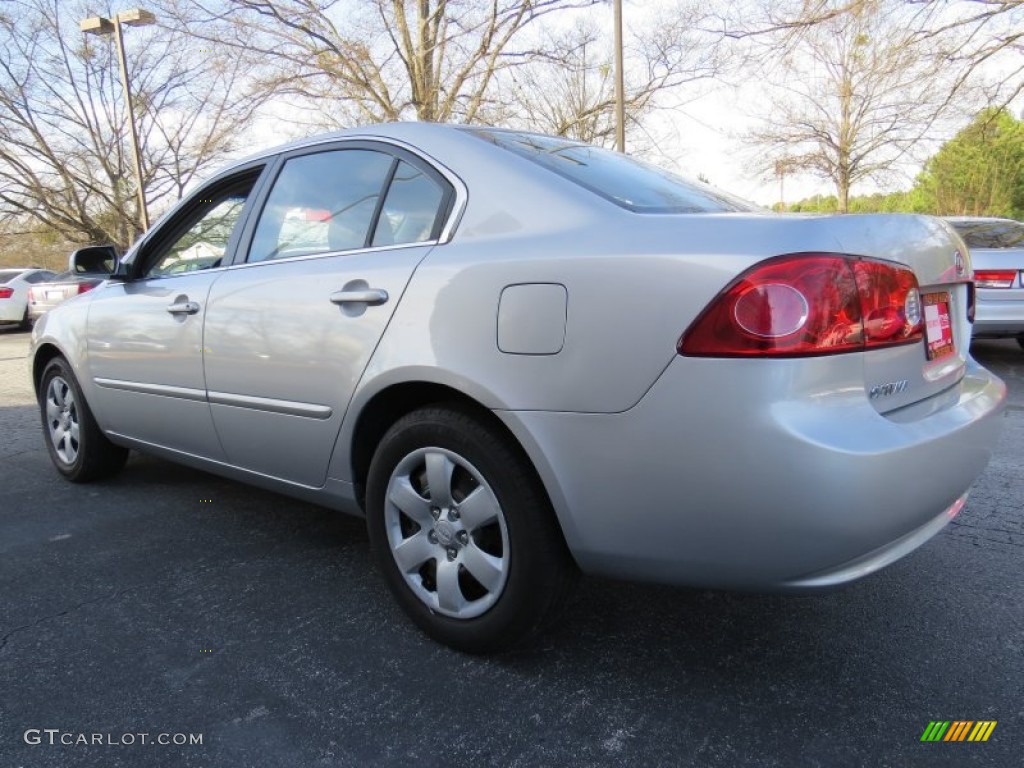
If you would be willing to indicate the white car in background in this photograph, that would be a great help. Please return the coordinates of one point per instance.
(997, 255)
(14, 285)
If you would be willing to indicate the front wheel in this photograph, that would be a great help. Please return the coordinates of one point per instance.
(78, 448)
(463, 531)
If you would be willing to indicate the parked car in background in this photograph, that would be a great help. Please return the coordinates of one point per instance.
(45, 296)
(517, 355)
(997, 254)
(14, 290)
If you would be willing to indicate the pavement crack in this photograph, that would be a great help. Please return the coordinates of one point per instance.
(65, 612)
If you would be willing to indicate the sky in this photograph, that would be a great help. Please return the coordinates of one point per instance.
(698, 135)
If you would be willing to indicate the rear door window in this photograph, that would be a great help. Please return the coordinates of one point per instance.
(321, 203)
(412, 208)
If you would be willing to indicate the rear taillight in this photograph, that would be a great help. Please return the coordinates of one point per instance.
(994, 278)
(809, 304)
(5, 292)
(83, 287)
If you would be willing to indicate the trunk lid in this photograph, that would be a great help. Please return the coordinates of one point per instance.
(1001, 259)
(895, 377)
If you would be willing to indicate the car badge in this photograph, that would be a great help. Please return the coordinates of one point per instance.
(958, 260)
(891, 388)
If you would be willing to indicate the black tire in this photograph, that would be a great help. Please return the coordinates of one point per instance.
(26, 321)
(62, 406)
(1020, 340)
(538, 570)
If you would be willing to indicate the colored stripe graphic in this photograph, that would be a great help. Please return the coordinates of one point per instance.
(982, 730)
(958, 730)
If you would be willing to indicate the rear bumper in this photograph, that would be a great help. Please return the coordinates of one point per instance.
(760, 474)
(998, 317)
(35, 311)
(11, 311)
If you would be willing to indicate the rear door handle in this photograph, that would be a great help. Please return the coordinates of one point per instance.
(183, 308)
(371, 296)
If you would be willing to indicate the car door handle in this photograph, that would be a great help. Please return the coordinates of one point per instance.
(371, 296)
(183, 308)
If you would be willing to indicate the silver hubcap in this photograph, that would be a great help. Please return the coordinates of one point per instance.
(447, 532)
(62, 419)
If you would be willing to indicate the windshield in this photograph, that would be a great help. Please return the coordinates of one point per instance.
(627, 182)
(990, 234)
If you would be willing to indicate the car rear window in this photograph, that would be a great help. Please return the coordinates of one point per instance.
(626, 181)
(39, 277)
(991, 234)
(6, 275)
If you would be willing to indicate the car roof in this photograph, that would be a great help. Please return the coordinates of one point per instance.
(400, 131)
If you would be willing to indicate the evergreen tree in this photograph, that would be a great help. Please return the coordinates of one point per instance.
(980, 171)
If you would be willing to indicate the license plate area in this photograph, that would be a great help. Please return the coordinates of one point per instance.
(938, 329)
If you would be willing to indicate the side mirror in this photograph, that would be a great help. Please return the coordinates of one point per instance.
(94, 260)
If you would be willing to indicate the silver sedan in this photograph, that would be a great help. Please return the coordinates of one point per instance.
(521, 357)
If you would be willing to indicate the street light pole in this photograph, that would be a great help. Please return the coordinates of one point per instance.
(136, 155)
(620, 105)
(98, 25)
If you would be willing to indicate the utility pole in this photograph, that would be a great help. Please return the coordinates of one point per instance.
(620, 90)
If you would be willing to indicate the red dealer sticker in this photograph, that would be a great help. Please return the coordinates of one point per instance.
(937, 329)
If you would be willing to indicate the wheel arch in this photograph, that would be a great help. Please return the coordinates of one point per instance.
(393, 402)
(42, 357)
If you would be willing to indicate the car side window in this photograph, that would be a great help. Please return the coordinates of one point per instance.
(320, 203)
(203, 236)
(411, 208)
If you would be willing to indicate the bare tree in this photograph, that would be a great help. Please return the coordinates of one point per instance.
(981, 35)
(857, 92)
(379, 60)
(64, 156)
(570, 92)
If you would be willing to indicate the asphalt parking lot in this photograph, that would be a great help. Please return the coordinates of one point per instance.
(172, 602)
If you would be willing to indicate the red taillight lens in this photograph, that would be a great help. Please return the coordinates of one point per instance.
(83, 287)
(5, 292)
(994, 278)
(890, 302)
(809, 304)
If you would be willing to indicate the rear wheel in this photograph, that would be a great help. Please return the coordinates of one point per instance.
(463, 531)
(26, 321)
(78, 449)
